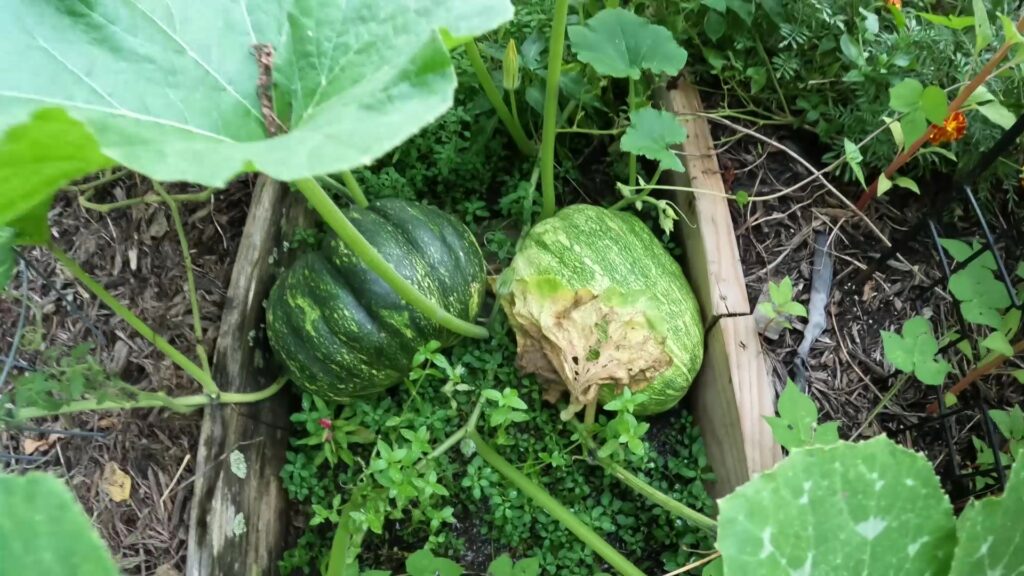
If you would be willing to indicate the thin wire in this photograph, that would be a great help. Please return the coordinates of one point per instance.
(22, 316)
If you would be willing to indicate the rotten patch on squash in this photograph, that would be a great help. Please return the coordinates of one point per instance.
(576, 341)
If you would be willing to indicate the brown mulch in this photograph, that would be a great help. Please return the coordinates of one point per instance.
(848, 374)
(135, 253)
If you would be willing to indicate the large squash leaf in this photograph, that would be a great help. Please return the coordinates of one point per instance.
(44, 531)
(838, 510)
(168, 88)
(991, 541)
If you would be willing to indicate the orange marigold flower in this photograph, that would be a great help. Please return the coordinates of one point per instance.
(951, 130)
(895, 3)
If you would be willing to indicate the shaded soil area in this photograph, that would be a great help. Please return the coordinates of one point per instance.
(135, 253)
(847, 373)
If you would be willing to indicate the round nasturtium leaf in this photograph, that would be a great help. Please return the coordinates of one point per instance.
(989, 532)
(44, 531)
(840, 510)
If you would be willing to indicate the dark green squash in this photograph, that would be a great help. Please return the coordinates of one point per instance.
(341, 331)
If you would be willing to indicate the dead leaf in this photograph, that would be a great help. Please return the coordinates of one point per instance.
(106, 423)
(30, 446)
(157, 227)
(116, 483)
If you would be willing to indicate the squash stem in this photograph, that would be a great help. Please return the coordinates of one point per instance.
(365, 251)
(550, 130)
(553, 507)
(491, 91)
(354, 189)
(197, 323)
(154, 400)
(197, 373)
(632, 157)
(643, 488)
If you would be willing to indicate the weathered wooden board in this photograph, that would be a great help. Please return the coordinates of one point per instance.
(732, 393)
(223, 502)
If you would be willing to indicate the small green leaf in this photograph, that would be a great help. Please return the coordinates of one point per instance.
(904, 182)
(652, 133)
(618, 43)
(1019, 375)
(958, 249)
(500, 566)
(714, 25)
(794, 309)
(998, 342)
(884, 184)
(742, 198)
(983, 548)
(1010, 30)
(867, 508)
(45, 530)
(1010, 423)
(982, 27)
(897, 16)
(906, 95)
(915, 351)
(743, 8)
(934, 104)
(949, 400)
(914, 125)
(767, 309)
(758, 78)
(998, 114)
(954, 22)
(850, 50)
(527, 567)
(424, 563)
(854, 158)
(895, 129)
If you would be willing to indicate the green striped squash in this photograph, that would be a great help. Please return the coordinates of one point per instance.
(597, 303)
(341, 331)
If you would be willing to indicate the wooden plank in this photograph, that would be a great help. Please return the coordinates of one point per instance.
(715, 262)
(732, 392)
(259, 431)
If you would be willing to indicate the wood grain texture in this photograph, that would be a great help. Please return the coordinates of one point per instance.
(259, 431)
(732, 392)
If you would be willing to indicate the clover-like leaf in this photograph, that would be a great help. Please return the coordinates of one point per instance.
(43, 530)
(906, 95)
(424, 563)
(797, 426)
(168, 88)
(915, 351)
(651, 134)
(867, 508)
(988, 533)
(982, 297)
(618, 43)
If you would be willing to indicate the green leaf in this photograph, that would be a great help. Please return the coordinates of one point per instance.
(958, 249)
(621, 44)
(981, 295)
(500, 566)
(998, 114)
(37, 157)
(977, 313)
(906, 95)
(714, 25)
(651, 134)
(795, 425)
(895, 129)
(988, 537)
(1010, 423)
(1010, 30)
(175, 97)
(915, 351)
(7, 258)
(44, 530)
(850, 50)
(982, 27)
(758, 78)
(743, 8)
(998, 342)
(794, 309)
(1019, 375)
(867, 508)
(914, 126)
(854, 158)
(934, 104)
(527, 567)
(904, 182)
(954, 22)
(884, 184)
(949, 400)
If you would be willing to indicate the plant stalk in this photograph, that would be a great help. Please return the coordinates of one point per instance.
(550, 130)
(190, 368)
(632, 157)
(85, 202)
(491, 91)
(553, 506)
(335, 218)
(150, 400)
(197, 323)
(354, 189)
